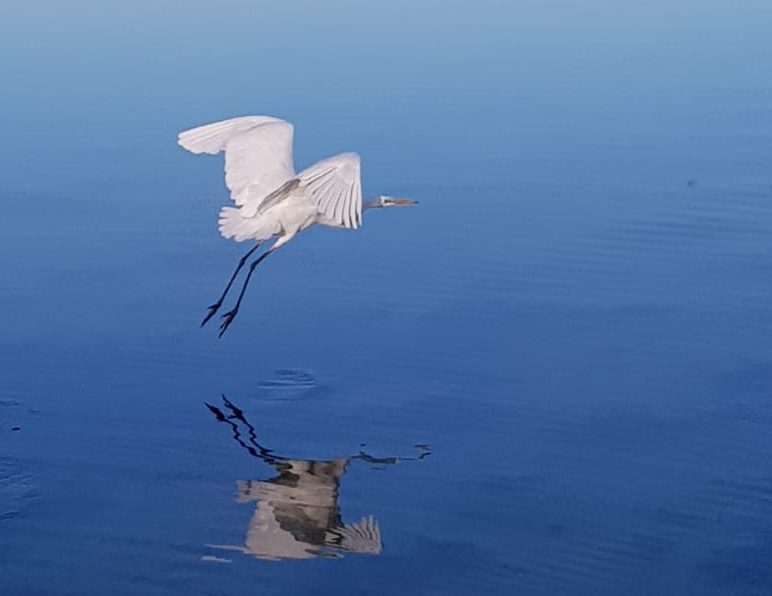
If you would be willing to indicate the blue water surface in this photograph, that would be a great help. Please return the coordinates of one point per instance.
(553, 376)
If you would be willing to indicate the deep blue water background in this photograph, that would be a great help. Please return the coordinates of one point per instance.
(576, 318)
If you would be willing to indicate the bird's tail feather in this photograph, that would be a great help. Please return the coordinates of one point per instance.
(233, 225)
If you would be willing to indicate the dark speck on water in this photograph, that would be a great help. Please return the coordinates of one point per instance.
(551, 377)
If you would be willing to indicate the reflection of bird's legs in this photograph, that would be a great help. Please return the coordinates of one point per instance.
(216, 306)
(238, 414)
(228, 317)
(254, 449)
(236, 433)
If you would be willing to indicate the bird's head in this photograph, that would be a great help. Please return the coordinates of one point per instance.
(386, 201)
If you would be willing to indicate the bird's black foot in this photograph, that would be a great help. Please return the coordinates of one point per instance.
(210, 313)
(227, 319)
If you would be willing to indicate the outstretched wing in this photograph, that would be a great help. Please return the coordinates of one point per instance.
(334, 185)
(258, 154)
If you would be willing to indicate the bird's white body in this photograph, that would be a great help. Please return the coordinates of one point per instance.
(271, 199)
(294, 214)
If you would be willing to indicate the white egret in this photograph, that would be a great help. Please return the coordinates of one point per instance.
(272, 201)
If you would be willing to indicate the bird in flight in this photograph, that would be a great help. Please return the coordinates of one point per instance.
(271, 200)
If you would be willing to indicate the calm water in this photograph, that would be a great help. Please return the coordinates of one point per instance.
(553, 376)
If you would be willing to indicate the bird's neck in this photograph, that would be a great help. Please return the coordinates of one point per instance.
(372, 204)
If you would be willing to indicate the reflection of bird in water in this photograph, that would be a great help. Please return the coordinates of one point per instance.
(297, 515)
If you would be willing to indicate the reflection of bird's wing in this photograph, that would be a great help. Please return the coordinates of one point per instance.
(334, 185)
(258, 154)
(363, 536)
(289, 521)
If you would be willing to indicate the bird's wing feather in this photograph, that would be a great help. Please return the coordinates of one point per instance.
(334, 185)
(212, 138)
(258, 154)
(363, 536)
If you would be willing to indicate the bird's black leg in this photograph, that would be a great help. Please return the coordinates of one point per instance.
(228, 317)
(216, 306)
